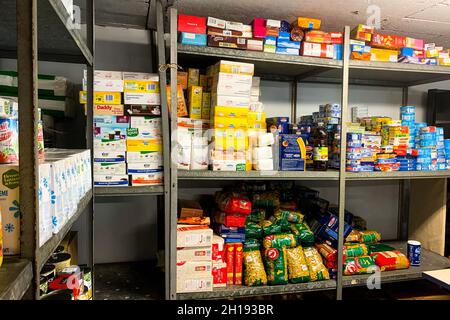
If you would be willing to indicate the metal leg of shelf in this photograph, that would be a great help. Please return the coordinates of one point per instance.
(173, 168)
(27, 56)
(90, 28)
(342, 173)
(404, 191)
(160, 14)
(294, 87)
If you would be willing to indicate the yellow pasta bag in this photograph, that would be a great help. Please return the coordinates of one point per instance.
(297, 267)
(254, 273)
(317, 270)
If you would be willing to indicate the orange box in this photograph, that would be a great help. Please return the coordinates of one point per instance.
(182, 109)
(308, 23)
(238, 257)
(229, 260)
(182, 78)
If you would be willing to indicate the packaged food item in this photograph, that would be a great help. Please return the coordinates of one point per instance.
(386, 41)
(195, 284)
(216, 23)
(194, 254)
(307, 23)
(317, 270)
(291, 216)
(181, 103)
(359, 265)
(255, 44)
(229, 260)
(194, 24)
(195, 221)
(319, 50)
(238, 259)
(383, 55)
(279, 240)
(256, 216)
(270, 228)
(182, 79)
(259, 27)
(297, 34)
(219, 274)
(227, 42)
(253, 230)
(298, 271)
(141, 86)
(355, 250)
(193, 236)
(217, 248)
(328, 252)
(108, 110)
(379, 247)
(317, 36)
(222, 32)
(254, 273)
(141, 98)
(276, 265)
(303, 234)
(369, 237)
(354, 236)
(233, 203)
(362, 32)
(391, 260)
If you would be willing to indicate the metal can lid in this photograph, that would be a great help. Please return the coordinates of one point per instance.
(414, 243)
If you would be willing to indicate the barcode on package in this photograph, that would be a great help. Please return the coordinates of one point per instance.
(151, 87)
(109, 97)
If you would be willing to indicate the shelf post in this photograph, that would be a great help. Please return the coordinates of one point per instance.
(343, 147)
(294, 88)
(404, 192)
(90, 30)
(173, 165)
(27, 56)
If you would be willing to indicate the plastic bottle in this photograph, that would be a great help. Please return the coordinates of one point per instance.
(320, 151)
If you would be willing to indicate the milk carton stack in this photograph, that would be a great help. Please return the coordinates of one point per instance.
(231, 91)
(144, 137)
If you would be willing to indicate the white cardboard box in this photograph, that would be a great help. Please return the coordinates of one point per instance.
(140, 76)
(232, 84)
(145, 157)
(110, 145)
(147, 179)
(193, 269)
(109, 156)
(45, 203)
(193, 236)
(229, 101)
(145, 122)
(143, 168)
(107, 180)
(104, 74)
(203, 284)
(142, 98)
(110, 168)
(105, 85)
(194, 254)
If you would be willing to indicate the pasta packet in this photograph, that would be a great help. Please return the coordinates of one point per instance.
(254, 273)
(291, 216)
(280, 240)
(303, 234)
(317, 270)
(298, 271)
(359, 265)
(276, 265)
(369, 236)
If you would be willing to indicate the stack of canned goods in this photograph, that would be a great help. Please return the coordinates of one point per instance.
(408, 117)
(440, 146)
(354, 149)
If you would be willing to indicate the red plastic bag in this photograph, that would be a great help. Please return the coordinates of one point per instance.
(231, 203)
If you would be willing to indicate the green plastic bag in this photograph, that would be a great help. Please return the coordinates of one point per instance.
(303, 234)
(276, 266)
(253, 231)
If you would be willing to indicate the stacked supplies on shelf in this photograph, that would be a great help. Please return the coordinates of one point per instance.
(195, 254)
(447, 152)
(127, 129)
(370, 45)
(9, 138)
(54, 92)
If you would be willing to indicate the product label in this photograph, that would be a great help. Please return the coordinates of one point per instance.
(320, 154)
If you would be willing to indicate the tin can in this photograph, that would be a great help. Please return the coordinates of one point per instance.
(414, 250)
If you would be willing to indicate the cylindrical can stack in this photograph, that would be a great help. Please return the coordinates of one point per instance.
(408, 117)
(354, 148)
(440, 147)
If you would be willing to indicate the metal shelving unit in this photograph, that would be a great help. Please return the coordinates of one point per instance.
(33, 30)
(128, 191)
(297, 70)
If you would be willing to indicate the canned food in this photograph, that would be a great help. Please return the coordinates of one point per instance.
(414, 251)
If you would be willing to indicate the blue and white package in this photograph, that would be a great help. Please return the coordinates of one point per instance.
(195, 39)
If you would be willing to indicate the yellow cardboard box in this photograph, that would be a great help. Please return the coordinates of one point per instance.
(384, 55)
(195, 102)
(9, 207)
(101, 97)
(141, 86)
(231, 123)
(149, 145)
(206, 105)
(193, 77)
(230, 112)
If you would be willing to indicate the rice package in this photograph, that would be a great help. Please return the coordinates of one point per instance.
(317, 271)
(276, 265)
(280, 240)
(254, 273)
(291, 216)
(253, 231)
(303, 234)
(369, 236)
(391, 260)
(359, 265)
(298, 271)
(233, 203)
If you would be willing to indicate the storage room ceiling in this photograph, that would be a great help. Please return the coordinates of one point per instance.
(428, 19)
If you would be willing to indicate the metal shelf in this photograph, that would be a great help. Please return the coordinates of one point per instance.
(129, 191)
(15, 278)
(58, 40)
(395, 74)
(44, 252)
(243, 291)
(258, 175)
(398, 175)
(430, 261)
(268, 65)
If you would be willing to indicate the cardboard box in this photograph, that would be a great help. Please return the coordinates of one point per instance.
(206, 105)
(142, 98)
(203, 284)
(147, 167)
(144, 145)
(142, 110)
(194, 254)
(193, 236)
(102, 97)
(195, 39)
(203, 81)
(103, 74)
(189, 208)
(229, 101)
(255, 44)
(229, 165)
(385, 41)
(182, 79)
(230, 123)
(232, 84)
(234, 67)
(288, 44)
(289, 51)
(181, 103)
(194, 24)
(141, 76)
(195, 102)
(141, 86)
(45, 204)
(229, 260)
(222, 32)
(143, 133)
(270, 40)
(109, 156)
(199, 153)
(218, 245)
(219, 273)
(149, 122)
(193, 77)
(230, 112)
(216, 23)
(292, 152)
(110, 168)
(108, 110)
(145, 157)
(110, 145)
(278, 124)
(270, 48)
(416, 44)
(307, 23)
(106, 85)
(106, 180)
(271, 31)
(263, 164)
(383, 55)
(259, 27)
(238, 258)
(147, 179)
(317, 50)
(9, 208)
(362, 32)
(227, 42)
(231, 25)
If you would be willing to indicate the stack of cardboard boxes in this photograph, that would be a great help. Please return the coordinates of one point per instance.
(127, 129)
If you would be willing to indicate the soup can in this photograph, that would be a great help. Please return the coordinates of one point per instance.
(414, 249)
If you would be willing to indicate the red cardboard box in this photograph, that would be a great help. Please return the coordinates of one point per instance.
(238, 257)
(230, 219)
(229, 260)
(259, 28)
(319, 50)
(217, 250)
(386, 41)
(192, 24)
(219, 273)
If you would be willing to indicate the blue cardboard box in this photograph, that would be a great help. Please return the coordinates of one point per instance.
(285, 43)
(283, 35)
(407, 52)
(326, 228)
(278, 124)
(289, 51)
(270, 40)
(195, 39)
(338, 52)
(292, 152)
